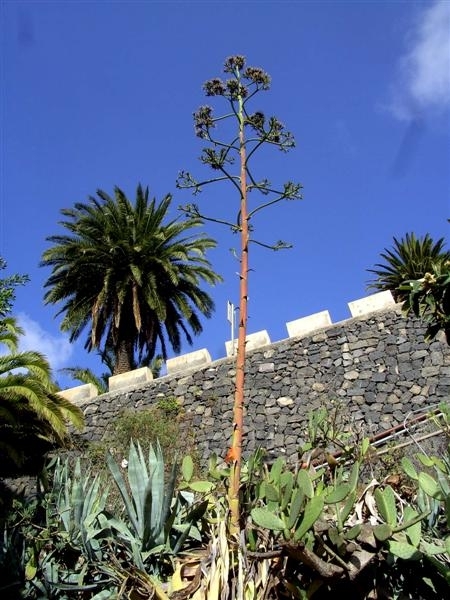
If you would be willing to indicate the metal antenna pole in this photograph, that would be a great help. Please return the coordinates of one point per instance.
(230, 318)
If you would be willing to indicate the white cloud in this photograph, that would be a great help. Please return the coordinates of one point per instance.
(57, 349)
(424, 83)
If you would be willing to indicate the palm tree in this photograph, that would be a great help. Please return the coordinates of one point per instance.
(128, 275)
(33, 416)
(409, 259)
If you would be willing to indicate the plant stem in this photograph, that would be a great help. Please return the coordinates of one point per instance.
(238, 409)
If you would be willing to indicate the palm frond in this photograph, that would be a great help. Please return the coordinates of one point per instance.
(408, 259)
(86, 376)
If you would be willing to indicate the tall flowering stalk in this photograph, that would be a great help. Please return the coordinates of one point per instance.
(232, 161)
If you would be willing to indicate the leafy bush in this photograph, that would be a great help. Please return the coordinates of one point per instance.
(165, 424)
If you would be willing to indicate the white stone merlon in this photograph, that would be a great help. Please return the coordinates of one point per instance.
(124, 380)
(252, 341)
(80, 394)
(369, 304)
(188, 361)
(308, 324)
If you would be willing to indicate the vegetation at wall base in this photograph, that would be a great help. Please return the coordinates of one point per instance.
(165, 423)
(308, 532)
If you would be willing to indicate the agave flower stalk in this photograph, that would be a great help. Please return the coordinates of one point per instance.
(252, 130)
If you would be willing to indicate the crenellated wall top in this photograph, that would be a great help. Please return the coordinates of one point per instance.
(200, 358)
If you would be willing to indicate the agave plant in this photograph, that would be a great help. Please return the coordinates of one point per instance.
(159, 519)
(58, 540)
(80, 502)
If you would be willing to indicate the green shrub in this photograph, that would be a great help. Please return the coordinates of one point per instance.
(169, 405)
(165, 423)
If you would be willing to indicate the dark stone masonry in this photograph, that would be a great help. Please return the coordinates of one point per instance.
(378, 367)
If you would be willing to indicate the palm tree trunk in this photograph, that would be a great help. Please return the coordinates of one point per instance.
(124, 357)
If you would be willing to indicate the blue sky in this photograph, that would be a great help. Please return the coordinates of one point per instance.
(98, 94)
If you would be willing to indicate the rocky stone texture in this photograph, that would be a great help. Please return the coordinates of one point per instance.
(378, 367)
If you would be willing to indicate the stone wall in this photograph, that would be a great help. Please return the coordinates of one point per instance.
(377, 366)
